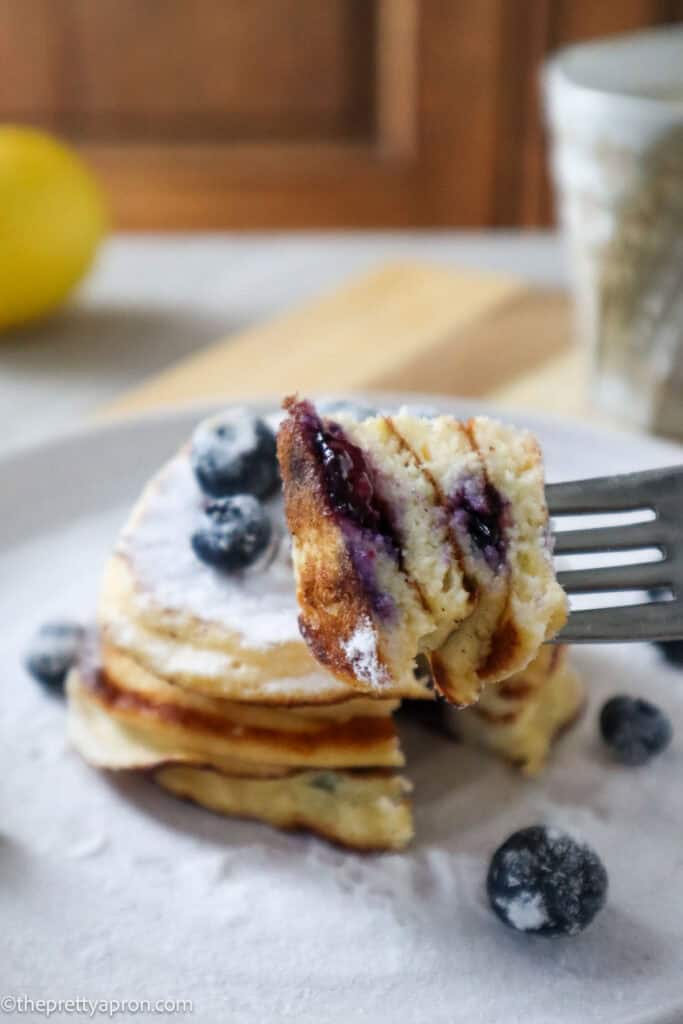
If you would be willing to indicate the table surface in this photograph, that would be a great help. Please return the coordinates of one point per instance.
(153, 299)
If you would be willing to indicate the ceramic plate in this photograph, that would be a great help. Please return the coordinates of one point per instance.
(113, 890)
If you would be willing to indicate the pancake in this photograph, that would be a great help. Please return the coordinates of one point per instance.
(205, 670)
(364, 809)
(519, 718)
(346, 735)
(418, 535)
(106, 741)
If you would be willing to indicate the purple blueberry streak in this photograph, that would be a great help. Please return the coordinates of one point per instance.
(479, 511)
(351, 490)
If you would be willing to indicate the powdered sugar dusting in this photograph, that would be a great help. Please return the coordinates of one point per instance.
(361, 652)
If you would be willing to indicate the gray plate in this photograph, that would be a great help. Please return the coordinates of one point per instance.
(113, 890)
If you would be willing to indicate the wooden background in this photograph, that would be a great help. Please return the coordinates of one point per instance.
(302, 113)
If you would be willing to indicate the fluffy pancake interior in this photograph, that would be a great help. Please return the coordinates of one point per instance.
(422, 522)
(447, 454)
(535, 606)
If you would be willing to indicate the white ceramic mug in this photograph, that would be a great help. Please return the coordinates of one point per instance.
(615, 112)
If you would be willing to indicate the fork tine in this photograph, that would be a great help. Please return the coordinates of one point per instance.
(660, 490)
(653, 534)
(638, 576)
(656, 621)
(621, 493)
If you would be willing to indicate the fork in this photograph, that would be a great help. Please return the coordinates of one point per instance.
(659, 491)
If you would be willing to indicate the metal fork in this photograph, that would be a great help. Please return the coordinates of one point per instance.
(659, 491)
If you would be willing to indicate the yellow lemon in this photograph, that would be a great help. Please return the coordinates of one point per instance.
(52, 218)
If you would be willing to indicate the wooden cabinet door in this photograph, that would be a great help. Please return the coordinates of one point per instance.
(301, 113)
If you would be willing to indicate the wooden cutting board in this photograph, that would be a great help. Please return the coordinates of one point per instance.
(403, 327)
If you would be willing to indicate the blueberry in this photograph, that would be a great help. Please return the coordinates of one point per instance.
(236, 531)
(634, 729)
(326, 781)
(234, 453)
(672, 651)
(542, 881)
(358, 410)
(52, 652)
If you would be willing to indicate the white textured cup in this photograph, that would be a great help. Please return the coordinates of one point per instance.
(615, 112)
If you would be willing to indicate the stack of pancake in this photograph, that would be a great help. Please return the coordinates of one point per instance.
(201, 678)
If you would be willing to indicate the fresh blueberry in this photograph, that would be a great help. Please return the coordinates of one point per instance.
(672, 650)
(234, 453)
(359, 410)
(634, 729)
(52, 652)
(235, 533)
(542, 881)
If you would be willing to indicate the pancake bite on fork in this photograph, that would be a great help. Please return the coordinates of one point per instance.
(415, 535)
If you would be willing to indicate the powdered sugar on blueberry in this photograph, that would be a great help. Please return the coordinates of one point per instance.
(524, 912)
(543, 881)
(236, 533)
(234, 453)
